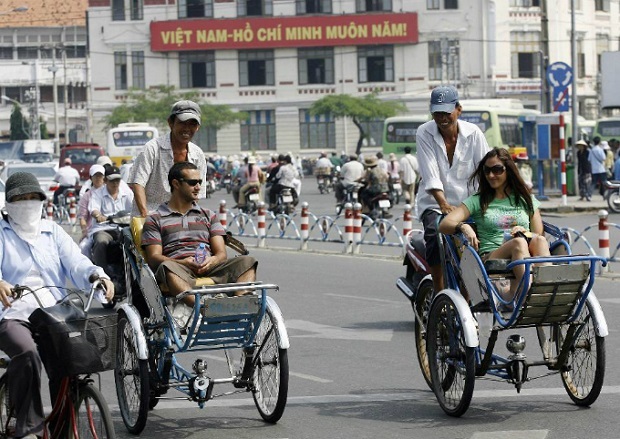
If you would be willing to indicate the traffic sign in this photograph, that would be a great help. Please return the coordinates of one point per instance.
(559, 74)
(560, 99)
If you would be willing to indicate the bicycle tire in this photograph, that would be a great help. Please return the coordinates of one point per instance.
(92, 414)
(7, 420)
(271, 372)
(131, 376)
(422, 305)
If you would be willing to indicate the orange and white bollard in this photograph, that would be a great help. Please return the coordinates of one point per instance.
(49, 210)
(262, 225)
(305, 226)
(407, 222)
(222, 214)
(603, 237)
(72, 214)
(348, 228)
(357, 227)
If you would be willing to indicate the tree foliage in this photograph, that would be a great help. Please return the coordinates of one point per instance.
(359, 109)
(153, 106)
(19, 126)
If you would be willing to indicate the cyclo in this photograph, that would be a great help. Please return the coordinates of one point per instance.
(149, 341)
(555, 298)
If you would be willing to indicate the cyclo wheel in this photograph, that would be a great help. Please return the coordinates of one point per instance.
(92, 415)
(584, 371)
(422, 306)
(7, 418)
(451, 362)
(270, 376)
(131, 375)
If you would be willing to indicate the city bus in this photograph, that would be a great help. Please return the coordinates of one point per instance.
(127, 140)
(607, 128)
(400, 131)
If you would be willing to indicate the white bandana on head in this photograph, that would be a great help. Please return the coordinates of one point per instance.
(25, 218)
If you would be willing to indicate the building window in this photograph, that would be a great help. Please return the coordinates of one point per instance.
(581, 60)
(602, 45)
(444, 60)
(195, 8)
(197, 69)
(135, 7)
(451, 4)
(27, 53)
(525, 3)
(137, 69)
(120, 70)
(316, 131)
(73, 52)
(525, 52)
(256, 67)
(206, 138)
(375, 64)
(432, 4)
(315, 66)
(314, 7)
(254, 8)
(6, 53)
(373, 5)
(258, 132)
(601, 5)
(374, 132)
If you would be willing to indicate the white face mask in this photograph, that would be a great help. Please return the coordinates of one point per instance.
(25, 218)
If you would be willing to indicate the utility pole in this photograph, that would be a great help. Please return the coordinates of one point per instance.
(54, 69)
(544, 36)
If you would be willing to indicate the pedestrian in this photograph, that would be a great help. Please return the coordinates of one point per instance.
(584, 170)
(408, 168)
(525, 170)
(449, 151)
(149, 174)
(597, 160)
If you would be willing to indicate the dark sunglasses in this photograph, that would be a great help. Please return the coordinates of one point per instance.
(496, 170)
(191, 181)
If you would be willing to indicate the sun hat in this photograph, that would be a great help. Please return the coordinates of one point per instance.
(96, 168)
(21, 183)
(67, 161)
(112, 173)
(251, 160)
(392, 156)
(370, 161)
(104, 160)
(581, 142)
(522, 156)
(186, 110)
(444, 99)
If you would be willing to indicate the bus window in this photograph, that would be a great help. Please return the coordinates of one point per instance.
(607, 129)
(480, 118)
(127, 140)
(400, 131)
(510, 130)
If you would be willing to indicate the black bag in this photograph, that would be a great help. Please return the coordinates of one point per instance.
(72, 341)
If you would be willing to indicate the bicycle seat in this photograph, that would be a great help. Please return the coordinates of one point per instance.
(136, 225)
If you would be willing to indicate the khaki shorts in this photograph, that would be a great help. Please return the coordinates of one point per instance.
(226, 272)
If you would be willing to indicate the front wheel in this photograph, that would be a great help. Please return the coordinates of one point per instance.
(613, 201)
(270, 378)
(421, 307)
(7, 417)
(92, 415)
(451, 361)
(584, 371)
(132, 379)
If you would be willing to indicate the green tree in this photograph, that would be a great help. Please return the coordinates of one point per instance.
(153, 106)
(359, 109)
(18, 125)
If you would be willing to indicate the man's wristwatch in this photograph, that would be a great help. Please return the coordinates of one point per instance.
(458, 227)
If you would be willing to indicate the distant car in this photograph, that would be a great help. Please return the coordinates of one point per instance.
(44, 172)
(82, 155)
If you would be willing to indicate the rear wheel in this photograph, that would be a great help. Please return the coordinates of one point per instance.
(93, 416)
(270, 377)
(613, 201)
(451, 362)
(422, 306)
(7, 420)
(132, 379)
(584, 371)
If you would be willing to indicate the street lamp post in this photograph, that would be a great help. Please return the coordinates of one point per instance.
(54, 69)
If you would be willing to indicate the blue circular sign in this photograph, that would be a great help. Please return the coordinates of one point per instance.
(559, 75)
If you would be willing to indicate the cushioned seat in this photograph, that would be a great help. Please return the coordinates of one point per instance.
(136, 232)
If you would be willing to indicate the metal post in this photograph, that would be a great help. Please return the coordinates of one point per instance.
(574, 98)
(66, 90)
(603, 237)
(563, 161)
(54, 69)
(544, 36)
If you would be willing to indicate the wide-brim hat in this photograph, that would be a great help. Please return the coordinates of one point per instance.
(21, 183)
(370, 161)
(392, 156)
(581, 142)
(251, 160)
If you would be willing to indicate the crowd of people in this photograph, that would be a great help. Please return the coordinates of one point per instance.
(597, 162)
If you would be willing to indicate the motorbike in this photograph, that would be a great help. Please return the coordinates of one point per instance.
(252, 197)
(324, 182)
(612, 194)
(350, 196)
(380, 206)
(417, 286)
(227, 182)
(285, 202)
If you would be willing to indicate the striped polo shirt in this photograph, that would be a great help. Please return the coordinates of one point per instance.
(180, 234)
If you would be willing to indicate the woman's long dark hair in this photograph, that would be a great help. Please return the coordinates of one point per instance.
(514, 183)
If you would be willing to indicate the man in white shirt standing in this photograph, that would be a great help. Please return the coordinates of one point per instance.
(408, 166)
(66, 177)
(448, 152)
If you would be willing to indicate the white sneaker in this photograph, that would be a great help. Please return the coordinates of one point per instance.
(182, 314)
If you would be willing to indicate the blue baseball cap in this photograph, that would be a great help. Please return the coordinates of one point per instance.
(444, 99)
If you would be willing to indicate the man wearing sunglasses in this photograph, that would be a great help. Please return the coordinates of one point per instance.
(448, 151)
(174, 231)
(149, 174)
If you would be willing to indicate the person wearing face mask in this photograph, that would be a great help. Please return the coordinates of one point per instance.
(37, 253)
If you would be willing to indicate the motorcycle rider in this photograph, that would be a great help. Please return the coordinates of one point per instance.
(350, 172)
(376, 182)
(323, 167)
(106, 201)
(240, 180)
(66, 177)
(285, 176)
(253, 176)
(97, 180)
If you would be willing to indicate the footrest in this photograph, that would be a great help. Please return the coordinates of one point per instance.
(496, 266)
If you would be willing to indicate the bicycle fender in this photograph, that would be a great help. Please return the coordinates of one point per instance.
(467, 319)
(600, 324)
(133, 317)
(283, 341)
